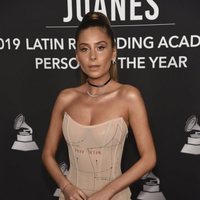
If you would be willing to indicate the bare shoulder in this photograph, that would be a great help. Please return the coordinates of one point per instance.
(129, 93)
(133, 100)
(66, 96)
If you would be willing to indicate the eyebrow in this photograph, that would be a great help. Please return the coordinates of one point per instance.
(83, 43)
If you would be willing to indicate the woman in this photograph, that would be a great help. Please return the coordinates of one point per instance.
(94, 118)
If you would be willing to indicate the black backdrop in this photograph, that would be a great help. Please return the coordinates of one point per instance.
(165, 68)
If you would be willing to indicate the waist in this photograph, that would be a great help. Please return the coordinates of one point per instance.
(92, 181)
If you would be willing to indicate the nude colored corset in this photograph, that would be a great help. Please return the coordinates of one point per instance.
(95, 152)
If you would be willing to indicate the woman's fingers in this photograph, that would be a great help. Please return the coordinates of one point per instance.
(78, 196)
(83, 196)
(73, 193)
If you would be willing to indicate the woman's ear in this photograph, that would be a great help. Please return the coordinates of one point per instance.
(77, 60)
(114, 54)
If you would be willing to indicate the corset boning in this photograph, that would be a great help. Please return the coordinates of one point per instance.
(95, 152)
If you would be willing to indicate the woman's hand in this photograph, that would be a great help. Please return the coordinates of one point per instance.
(71, 192)
(103, 194)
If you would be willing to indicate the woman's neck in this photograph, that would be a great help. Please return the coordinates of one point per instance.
(99, 85)
(96, 87)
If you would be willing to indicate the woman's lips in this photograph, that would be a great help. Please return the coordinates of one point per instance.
(94, 67)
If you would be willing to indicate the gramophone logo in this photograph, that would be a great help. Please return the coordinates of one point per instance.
(24, 140)
(193, 141)
(151, 188)
(63, 168)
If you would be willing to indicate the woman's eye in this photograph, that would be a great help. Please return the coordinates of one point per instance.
(101, 48)
(83, 49)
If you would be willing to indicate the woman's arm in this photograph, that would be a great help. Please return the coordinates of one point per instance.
(50, 147)
(52, 140)
(139, 123)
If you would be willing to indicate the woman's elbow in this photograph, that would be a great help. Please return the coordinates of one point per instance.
(151, 160)
(43, 156)
(46, 155)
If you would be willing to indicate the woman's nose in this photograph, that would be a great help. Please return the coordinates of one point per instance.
(92, 54)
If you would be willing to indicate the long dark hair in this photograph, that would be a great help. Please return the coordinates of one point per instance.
(97, 19)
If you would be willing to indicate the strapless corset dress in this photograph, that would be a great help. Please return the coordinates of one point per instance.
(95, 153)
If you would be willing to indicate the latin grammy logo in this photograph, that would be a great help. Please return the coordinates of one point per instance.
(24, 140)
(63, 168)
(193, 145)
(151, 188)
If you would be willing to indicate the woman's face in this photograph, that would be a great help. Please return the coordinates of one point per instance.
(95, 52)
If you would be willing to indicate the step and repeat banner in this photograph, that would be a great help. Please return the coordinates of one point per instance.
(158, 52)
